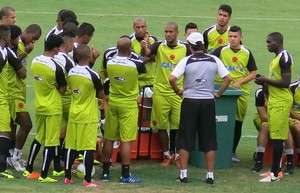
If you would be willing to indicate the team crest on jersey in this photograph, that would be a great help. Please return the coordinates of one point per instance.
(220, 40)
(235, 59)
(21, 105)
(154, 123)
(172, 57)
(76, 91)
(38, 78)
(120, 79)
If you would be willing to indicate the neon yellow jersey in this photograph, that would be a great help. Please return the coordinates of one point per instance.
(166, 60)
(3, 77)
(214, 39)
(123, 75)
(136, 46)
(238, 62)
(296, 101)
(46, 75)
(84, 83)
(282, 63)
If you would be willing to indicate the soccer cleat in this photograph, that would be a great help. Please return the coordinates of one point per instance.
(55, 173)
(130, 179)
(289, 169)
(257, 167)
(91, 184)
(32, 175)
(17, 164)
(234, 158)
(8, 162)
(105, 177)
(280, 174)
(69, 181)
(7, 174)
(167, 160)
(46, 180)
(182, 180)
(270, 178)
(209, 180)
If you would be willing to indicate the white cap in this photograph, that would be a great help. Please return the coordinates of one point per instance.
(195, 37)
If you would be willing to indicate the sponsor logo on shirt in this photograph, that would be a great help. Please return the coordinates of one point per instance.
(76, 91)
(200, 80)
(120, 79)
(38, 78)
(235, 68)
(168, 65)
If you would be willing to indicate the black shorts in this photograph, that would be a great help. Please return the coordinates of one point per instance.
(197, 117)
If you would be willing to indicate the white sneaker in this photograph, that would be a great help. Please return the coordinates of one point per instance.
(270, 178)
(17, 164)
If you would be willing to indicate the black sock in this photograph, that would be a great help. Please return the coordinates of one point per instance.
(260, 157)
(12, 144)
(290, 158)
(237, 134)
(88, 162)
(277, 154)
(125, 171)
(105, 167)
(49, 153)
(62, 148)
(34, 150)
(4, 144)
(69, 160)
(56, 159)
(173, 134)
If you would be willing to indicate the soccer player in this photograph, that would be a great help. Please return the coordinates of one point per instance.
(122, 113)
(262, 125)
(16, 72)
(26, 44)
(165, 112)
(190, 28)
(84, 35)
(198, 106)
(217, 35)
(68, 63)
(141, 33)
(62, 16)
(4, 108)
(49, 83)
(82, 129)
(280, 99)
(7, 15)
(241, 65)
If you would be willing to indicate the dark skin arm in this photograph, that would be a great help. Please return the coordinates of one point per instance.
(282, 83)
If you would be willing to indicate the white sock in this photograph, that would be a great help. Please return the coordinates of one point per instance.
(167, 152)
(210, 175)
(11, 152)
(183, 174)
(176, 156)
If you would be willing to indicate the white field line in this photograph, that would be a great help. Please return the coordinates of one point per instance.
(161, 16)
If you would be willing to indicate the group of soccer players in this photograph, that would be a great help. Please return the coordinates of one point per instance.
(66, 90)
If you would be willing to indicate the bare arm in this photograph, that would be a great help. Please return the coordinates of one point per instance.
(145, 51)
(22, 73)
(262, 112)
(244, 80)
(294, 115)
(173, 83)
(224, 86)
(282, 83)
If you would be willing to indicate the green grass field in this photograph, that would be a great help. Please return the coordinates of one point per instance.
(113, 19)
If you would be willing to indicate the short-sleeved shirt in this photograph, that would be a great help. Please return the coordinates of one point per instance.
(47, 73)
(199, 71)
(166, 59)
(214, 39)
(238, 62)
(84, 83)
(136, 46)
(282, 63)
(259, 98)
(295, 89)
(15, 83)
(66, 62)
(3, 77)
(123, 75)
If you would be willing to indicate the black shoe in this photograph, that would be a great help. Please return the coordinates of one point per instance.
(209, 181)
(289, 169)
(183, 180)
(257, 167)
(254, 157)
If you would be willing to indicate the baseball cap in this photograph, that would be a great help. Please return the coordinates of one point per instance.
(195, 37)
